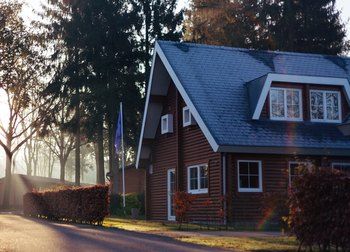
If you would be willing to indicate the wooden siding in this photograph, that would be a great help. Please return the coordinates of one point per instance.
(265, 113)
(187, 146)
(184, 147)
(245, 207)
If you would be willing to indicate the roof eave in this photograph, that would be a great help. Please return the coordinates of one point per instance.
(285, 150)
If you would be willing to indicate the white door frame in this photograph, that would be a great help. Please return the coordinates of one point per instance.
(170, 217)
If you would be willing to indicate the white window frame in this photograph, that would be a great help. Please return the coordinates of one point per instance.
(325, 106)
(190, 119)
(260, 189)
(169, 124)
(339, 163)
(285, 118)
(199, 190)
(295, 162)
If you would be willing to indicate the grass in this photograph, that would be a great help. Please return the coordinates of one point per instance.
(245, 243)
(145, 226)
(210, 239)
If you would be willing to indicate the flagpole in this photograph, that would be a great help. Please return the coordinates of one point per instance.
(123, 161)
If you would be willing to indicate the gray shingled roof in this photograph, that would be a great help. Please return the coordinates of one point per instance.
(215, 80)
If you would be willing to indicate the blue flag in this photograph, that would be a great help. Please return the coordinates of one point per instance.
(118, 133)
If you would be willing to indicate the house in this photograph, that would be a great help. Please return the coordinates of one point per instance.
(234, 123)
(134, 180)
(21, 184)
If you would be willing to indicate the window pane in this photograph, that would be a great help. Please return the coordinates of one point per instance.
(194, 184)
(243, 168)
(243, 181)
(317, 111)
(204, 177)
(277, 102)
(332, 101)
(293, 104)
(186, 115)
(254, 181)
(254, 168)
(193, 178)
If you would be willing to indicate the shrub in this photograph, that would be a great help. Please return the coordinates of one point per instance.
(80, 205)
(183, 202)
(320, 209)
(132, 200)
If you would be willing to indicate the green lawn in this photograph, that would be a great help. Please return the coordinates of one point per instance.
(202, 237)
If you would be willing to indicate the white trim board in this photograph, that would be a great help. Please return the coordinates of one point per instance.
(159, 52)
(145, 111)
(271, 77)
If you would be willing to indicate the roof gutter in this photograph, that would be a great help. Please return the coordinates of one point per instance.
(286, 150)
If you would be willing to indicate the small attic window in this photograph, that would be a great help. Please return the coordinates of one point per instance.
(167, 124)
(187, 118)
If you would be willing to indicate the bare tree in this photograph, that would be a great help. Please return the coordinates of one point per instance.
(20, 66)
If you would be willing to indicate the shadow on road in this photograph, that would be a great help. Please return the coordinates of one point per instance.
(68, 237)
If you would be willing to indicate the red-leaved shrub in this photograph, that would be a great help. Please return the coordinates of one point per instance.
(183, 203)
(80, 205)
(320, 209)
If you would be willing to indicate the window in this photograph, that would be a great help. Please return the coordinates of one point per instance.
(285, 104)
(249, 176)
(167, 124)
(325, 106)
(294, 169)
(344, 167)
(197, 177)
(187, 118)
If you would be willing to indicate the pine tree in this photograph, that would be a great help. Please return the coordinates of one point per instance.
(288, 25)
(97, 40)
(160, 21)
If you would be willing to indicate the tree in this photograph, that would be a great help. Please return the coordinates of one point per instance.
(160, 21)
(20, 67)
(56, 135)
(98, 47)
(301, 26)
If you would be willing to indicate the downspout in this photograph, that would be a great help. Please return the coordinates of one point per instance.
(224, 181)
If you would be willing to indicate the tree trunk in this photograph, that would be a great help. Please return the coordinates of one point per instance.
(113, 168)
(63, 162)
(113, 164)
(77, 140)
(8, 177)
(100, 170)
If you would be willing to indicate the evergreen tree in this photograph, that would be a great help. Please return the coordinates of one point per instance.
(97, 40)
(288, 25)
(160, 21)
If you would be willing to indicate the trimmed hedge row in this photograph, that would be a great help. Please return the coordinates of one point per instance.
(320, 209)
(79, 205)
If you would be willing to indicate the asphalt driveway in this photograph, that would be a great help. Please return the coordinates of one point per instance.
(18, 233)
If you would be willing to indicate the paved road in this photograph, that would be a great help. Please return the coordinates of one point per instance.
(18, 233)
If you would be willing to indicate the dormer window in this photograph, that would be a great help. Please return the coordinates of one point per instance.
(325, 106)
(285, 104)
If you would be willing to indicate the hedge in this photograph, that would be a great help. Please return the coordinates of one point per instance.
(79, 205)
(320, 209)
